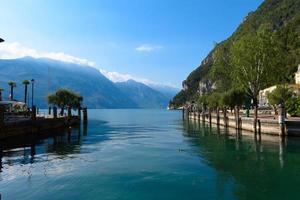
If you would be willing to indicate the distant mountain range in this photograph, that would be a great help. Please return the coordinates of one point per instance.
(97, 90)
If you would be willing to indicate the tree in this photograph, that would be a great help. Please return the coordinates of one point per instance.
(25, 83)
(255, 64)
(220, 72)
(1, 90)
(12, 84)
(279, 96)
(64, 98)
(293, 106)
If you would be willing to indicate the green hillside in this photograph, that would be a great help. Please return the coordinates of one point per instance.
(283, 19)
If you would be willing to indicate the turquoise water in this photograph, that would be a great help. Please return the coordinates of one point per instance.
(149, 154)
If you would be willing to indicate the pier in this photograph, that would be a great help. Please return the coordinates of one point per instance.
(266, 124)
(34, 123)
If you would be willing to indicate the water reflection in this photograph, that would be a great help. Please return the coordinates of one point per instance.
(24, 149)
(263, 167)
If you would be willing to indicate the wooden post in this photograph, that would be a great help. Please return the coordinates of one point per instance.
(33, 113)
(85, 115)
(79, 113)
(54, 112)
(281, 119)
(69, 113)
(203, 115)
(209, 116)
(218, 116)
(2, 110)
(259, 126)
(183, 112)
(240, 123)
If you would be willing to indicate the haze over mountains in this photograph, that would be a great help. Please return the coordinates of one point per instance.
(97, 90)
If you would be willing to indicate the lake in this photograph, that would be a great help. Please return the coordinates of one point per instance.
(148, 154)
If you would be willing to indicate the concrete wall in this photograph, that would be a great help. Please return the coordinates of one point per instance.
(267, 126)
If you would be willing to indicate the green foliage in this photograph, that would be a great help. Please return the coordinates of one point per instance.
(292, 106)
(12, 84)
(220, 72)
(233, 97)
(280, 95)
(213, 100)
(256, 65)
(25, 82)
(282, 18)
(203, 100)
(65, 98)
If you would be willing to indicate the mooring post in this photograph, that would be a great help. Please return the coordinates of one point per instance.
(259, 126)
(209, 115)
(33, 113)
(79, 113)
(2, 110)
(183, 112)
(281, 119)
(240, 123)
(69, 113)
(85, 115)
(203, 115)
(54, 112)
(188, 113)
(218, 116)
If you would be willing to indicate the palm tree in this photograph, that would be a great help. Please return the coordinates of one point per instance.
(25, 83)
(12, 84)
(1, 90)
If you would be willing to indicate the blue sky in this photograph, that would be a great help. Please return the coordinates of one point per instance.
(159, 40)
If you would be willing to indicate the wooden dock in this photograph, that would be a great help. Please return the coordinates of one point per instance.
(33, 124)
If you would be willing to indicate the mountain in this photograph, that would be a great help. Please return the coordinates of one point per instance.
(283, 16)
(97, 90)
(49, 75)
(168, 91)
(144, 96)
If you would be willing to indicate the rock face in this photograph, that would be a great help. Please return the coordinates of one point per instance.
(284, 18)
(97, 90)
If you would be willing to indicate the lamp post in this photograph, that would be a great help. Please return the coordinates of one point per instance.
(32, 92)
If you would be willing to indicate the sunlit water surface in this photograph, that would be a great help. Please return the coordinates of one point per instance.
(148, 154)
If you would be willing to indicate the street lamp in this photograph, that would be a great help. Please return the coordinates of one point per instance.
(32, 90)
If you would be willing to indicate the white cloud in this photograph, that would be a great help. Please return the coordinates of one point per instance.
(17, 50)
(148, 48)
(119, 77)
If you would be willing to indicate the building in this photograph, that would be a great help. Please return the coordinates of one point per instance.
(263, 94)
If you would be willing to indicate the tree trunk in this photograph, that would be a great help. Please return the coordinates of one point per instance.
(11, 93)
(25, 95)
